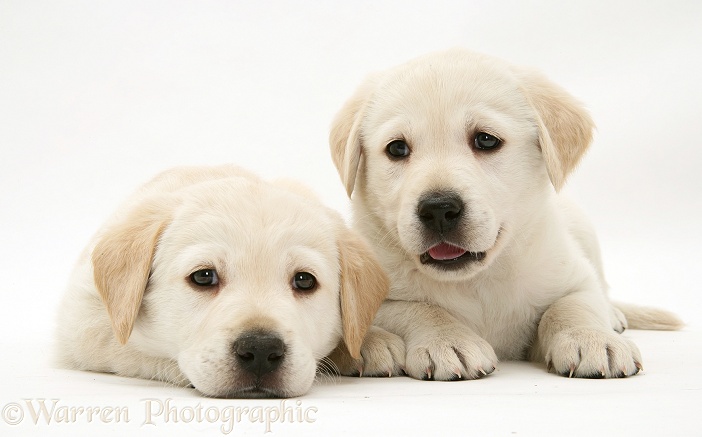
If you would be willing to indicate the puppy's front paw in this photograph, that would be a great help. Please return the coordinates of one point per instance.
(592, 353)
(382, 354)
(449, 354)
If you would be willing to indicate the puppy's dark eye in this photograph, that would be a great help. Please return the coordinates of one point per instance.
(397, 149)
(485, 141)
(205, 278)
(304, 282)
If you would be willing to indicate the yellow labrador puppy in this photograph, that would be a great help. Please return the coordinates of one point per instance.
(212, 277)
(455, 161)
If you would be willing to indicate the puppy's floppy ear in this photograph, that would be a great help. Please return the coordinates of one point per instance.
(345, 135)
(565, 127)
(122, 261)
(364, 286)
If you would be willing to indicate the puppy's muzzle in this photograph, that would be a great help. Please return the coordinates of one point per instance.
(440, 211)
(259, 352)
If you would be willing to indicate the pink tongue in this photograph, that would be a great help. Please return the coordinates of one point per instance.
(445, 251)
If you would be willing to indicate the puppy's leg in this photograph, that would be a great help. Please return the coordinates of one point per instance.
(439, 347)
(575, 338)
(382, 354)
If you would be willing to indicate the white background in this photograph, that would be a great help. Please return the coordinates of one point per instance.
(96, 97)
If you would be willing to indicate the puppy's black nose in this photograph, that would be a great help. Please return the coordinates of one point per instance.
(259, 352)
(440, 212)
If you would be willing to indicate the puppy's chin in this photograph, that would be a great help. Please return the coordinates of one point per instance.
(253, 393)
(275, 387)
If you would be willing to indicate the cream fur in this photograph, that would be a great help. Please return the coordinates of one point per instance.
(131, 308)
(539, 291)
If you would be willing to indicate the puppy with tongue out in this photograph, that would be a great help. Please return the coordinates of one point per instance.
(454, 163)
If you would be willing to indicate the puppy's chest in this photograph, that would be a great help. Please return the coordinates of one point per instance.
(505, 318)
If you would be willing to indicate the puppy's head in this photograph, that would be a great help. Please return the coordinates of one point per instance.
(246, 285)
(451, 153)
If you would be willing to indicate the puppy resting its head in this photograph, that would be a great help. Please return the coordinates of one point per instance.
(212, 277)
